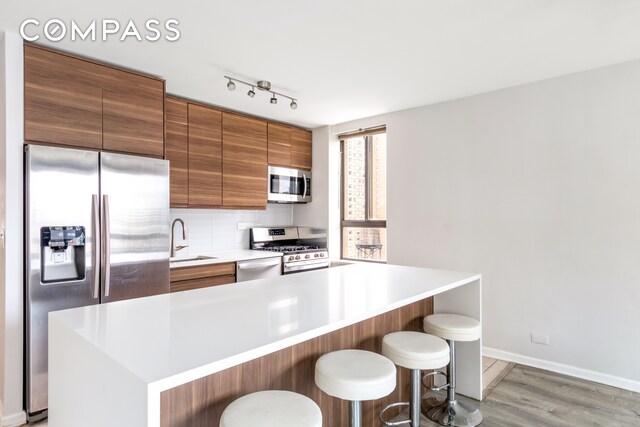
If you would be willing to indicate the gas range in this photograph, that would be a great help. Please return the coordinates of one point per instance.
(304, 248)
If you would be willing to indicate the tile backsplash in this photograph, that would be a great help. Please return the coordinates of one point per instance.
(211, 230)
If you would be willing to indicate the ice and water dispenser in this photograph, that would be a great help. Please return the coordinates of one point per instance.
(62, 253)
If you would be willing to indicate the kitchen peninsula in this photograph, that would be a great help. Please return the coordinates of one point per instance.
(179, 359)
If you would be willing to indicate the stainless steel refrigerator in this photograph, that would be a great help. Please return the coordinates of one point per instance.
(96, 230)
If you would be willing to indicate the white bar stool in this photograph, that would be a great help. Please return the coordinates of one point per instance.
(355, 375)
(272, 408)
(452, 327)
(416, 351)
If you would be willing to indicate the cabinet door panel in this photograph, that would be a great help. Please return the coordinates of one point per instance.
(133, 113)
(244, 161)
(206, 282)
(300, 149)
(279, 144)
(62, 99)
(205, 156)
(176, 151)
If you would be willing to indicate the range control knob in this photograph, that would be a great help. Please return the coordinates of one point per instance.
(322, 255)
(316, 255)
(291, 258)
(297, 256)
(307, 256)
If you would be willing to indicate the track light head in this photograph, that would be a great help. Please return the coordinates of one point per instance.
(263, 86)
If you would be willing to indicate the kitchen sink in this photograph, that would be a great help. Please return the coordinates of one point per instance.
(195, 258)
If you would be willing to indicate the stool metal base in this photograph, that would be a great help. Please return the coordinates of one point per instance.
(454, 414)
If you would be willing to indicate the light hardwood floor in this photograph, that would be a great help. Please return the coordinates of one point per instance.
(493, 371)
(528, 397)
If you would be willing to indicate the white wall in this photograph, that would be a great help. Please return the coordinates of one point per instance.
(324, 208)
(11, 255)
(210, 230)
(537, 187)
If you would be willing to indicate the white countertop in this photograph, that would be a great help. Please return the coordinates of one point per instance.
(171, 339)
(222, 257)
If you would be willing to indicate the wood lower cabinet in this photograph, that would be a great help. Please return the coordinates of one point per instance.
(187, 278)
(279, 145)
(81, 103)
(244, 161)
(177, 150)
(205, 156)
(132, 113)
(301, 149)
(62, 99)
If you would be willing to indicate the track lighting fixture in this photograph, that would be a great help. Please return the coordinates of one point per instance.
(264, 86)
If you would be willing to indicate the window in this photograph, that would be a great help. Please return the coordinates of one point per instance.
(364, 196)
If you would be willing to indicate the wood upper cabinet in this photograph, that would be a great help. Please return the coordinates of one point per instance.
(244, 161)
(205, 156)
(132, 113)
(78, 102)
(177, 150)
(300, 148)
(62, 99)
(279, 145)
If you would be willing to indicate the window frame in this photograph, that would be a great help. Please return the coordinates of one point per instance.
(366, 223)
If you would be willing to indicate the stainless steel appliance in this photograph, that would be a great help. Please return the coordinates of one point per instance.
(258, 269)
(288, 185)
(96, 230)
(304, 248)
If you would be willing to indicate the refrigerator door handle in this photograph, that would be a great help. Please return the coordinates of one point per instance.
(106, 246)
(95, 210)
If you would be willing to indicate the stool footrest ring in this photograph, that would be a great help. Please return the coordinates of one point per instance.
(433, 374)
(393, 423)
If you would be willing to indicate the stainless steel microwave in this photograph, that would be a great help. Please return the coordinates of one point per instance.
(288, 185)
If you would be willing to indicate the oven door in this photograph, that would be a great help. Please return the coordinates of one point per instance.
(289, 185)
(300, 266)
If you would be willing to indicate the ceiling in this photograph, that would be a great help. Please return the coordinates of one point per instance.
(346, 60)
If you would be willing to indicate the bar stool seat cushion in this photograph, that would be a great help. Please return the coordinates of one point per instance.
(416, 350)
(452, 327)
(272, 408)
(355, 375)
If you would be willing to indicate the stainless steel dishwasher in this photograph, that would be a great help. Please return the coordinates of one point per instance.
(258, 268)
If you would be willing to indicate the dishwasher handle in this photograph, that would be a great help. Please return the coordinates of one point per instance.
(262, 263)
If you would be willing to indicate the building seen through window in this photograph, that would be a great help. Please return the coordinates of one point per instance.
(364, 196)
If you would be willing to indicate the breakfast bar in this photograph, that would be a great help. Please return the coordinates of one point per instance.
(178, 359)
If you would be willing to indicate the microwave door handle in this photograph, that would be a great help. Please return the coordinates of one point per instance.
(304, 192)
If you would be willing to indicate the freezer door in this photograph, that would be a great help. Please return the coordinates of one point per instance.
(61, 219)
(135, 226)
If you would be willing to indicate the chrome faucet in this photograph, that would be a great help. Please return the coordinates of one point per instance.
(175, 249)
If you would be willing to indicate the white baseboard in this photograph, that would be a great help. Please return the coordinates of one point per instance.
(14, 420)
(560, 368)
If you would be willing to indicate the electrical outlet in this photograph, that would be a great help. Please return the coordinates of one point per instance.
(539, 338)
(242, 226)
